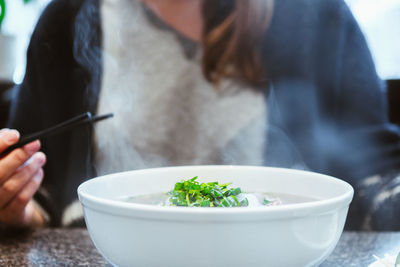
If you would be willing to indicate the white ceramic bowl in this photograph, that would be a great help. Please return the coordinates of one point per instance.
(129, 234)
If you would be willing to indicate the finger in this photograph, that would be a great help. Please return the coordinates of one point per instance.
(10, 163)
(7, 138)
(17, 205)
(16, 182)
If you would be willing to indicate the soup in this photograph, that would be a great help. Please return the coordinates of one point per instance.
(254, 199)
(192, 193)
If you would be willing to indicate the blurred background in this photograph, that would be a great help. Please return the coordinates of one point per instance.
(380, 22)
(15, 31)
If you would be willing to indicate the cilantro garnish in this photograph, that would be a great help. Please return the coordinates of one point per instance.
(191, 193)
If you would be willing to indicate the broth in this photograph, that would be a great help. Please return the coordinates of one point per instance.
(254, 199)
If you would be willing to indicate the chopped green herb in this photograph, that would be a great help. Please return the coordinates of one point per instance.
(190, 193)
(244, 202)
(266, 201)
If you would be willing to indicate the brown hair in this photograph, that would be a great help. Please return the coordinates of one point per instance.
(232, 35)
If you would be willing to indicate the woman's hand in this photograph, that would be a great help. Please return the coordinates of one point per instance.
(21, 174)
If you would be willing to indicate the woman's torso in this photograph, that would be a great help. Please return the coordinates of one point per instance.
(166, 113)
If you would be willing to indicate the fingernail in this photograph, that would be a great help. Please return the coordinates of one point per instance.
(40, 157)
(9, 136)
(33, 146)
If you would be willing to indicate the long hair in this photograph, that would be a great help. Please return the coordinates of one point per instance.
(232, 35)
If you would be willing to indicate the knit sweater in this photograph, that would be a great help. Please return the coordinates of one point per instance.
(326, 105)
(166, 112)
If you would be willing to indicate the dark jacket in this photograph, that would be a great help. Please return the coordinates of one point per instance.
(327, 109)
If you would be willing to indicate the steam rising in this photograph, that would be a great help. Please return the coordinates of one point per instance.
(164, 116)
(87, 48)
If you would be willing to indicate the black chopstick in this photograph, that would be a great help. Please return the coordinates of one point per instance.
(61, 127)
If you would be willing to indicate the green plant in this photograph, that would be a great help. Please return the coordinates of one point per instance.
(3, 9)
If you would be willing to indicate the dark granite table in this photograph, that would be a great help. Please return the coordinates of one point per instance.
(73, 247)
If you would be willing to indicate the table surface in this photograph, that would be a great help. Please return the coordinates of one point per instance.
(73, 247)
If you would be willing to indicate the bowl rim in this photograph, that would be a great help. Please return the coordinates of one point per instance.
(117, 207)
